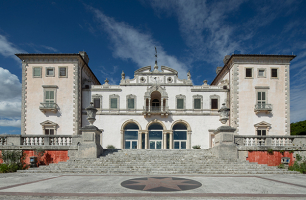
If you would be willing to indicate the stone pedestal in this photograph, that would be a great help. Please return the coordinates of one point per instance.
(224, 143)
(89, 146)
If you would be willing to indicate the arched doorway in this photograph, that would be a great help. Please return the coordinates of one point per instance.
(180, 136)
(155, 136)
(131, 136)
(155, 101)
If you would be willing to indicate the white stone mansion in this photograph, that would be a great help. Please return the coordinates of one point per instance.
(155, 109)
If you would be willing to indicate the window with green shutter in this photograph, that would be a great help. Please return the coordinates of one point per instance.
(180, 103)
(131, 104)
(197, 103)
(37, 72)
(113, 102)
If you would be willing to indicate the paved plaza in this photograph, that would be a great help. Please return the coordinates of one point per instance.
(82, 186)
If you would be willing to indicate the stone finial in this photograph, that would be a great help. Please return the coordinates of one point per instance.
(106, 81)
(188, 75)
(122, 75)
(205, 82)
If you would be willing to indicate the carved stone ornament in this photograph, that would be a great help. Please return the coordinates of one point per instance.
(224, 114)
(91, 113)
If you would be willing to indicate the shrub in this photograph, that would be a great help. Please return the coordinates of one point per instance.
(282, 151)
(298, 165)
(12, 161)
(291, 151)
(111, 147)
(298, 157)
(196, 147)
(270, 151)
(281, 166)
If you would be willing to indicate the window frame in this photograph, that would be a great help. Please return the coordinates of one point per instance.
(211, 97)
(97, 96)
(59, 71)
(50, 126)
(53, 68)
(266, 96)
(201, 101)
(33, 69)
(114, 96)
(245, 72)
(180, 96)
(277, 70)
(50, 88)
(264, 75)
(130, 96)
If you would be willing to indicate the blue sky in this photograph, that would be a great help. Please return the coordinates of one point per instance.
(121, 35)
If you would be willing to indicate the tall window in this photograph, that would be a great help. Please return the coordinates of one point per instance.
(131, 136)
(214, 103)
(97, 102)
(155, 136)
(248, 72)
(49, 97)
(274, 73)
(261, 99)
(197, 103)
(179, 136)
(131, 101)
(180, 103)
(131, 104)
(114, 101)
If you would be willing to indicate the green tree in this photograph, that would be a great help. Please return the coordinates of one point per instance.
(298, 128)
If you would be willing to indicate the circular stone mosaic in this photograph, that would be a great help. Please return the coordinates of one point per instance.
(161, 184)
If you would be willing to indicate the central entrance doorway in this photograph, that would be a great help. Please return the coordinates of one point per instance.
(155, 136)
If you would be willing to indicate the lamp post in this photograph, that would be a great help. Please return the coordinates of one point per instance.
(91, 113)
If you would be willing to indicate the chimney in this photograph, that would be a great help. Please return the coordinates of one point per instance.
(218, 70)
(226, 58)
(85, 56)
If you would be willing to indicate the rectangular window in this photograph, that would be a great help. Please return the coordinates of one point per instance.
(274, 73)
(197, 103)
(214, 103)
(261, 73)
(248, 72)
(180, 103)
(50, 71)
(49, 97)
(261, 132)
(37, 72)
(131, 104)
(113, 102)
(97, 102)
(62, 72)
(49, 131)
(261, 99)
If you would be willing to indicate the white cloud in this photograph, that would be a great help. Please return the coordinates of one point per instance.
(129, 43)
(7, 49)
(49, 48)
(13, 123)
(10, 99)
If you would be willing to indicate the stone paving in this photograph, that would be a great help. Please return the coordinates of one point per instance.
(97, 186)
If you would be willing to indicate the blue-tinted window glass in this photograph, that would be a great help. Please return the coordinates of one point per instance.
(155, 127)
(155, 135)
(152, 144)
(183, 145)
(134, 144)
(131, 135)
(143, 141)
(158, 144)
(131, 126)
(127, 145)
(176, 145)
(179, 135)
(179, 127)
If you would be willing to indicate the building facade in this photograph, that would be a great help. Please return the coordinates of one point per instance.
(155, 109)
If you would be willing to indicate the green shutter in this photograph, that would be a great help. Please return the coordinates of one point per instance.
(180, 103)
(37, 72)
(114, 103)
(131, 103)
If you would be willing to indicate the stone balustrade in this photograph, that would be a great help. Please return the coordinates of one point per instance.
(270, 140)
(52, 140)
(3, 140)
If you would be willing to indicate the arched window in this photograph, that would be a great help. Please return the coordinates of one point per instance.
(179, 136)
(155, 136)
(131, 136)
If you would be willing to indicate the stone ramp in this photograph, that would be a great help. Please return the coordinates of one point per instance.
(158, 162)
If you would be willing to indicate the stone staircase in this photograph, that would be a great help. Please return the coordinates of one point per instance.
(158, 162)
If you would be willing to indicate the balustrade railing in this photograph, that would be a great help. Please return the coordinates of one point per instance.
(249, 140)
(3, 140)
(46, 140)
(155, 109)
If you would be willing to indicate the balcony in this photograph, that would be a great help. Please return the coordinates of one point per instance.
(267, 108)
(155, 110)
(45, 107)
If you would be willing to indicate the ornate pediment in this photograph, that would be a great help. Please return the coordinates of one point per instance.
(262, 124)
(48, 123)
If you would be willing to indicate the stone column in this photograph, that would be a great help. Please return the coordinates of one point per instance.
(149, 105)
(146, 140)
(162, 105)
(188, 140)
(171, 140)
(165, 141)
(139, 140)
